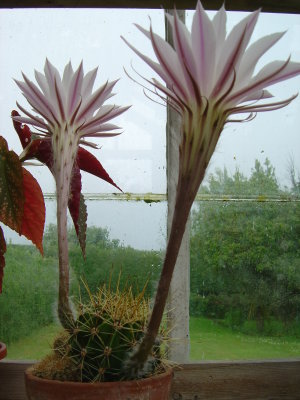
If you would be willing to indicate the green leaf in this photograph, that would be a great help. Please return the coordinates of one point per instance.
(11, 188)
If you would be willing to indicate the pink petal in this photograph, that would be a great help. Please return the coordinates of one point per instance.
(88, 82)
(253, 54)
(168, 60)
(96, 100)
(204, 48)
(273, 72)
(183, 47)
(67, 75)
(219, 24)
(233, 50)
(154, 65)
(74, 92)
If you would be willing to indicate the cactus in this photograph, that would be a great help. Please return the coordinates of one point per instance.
(101, 340)
(106, 332)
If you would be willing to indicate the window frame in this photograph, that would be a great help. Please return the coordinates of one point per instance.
(263, 379)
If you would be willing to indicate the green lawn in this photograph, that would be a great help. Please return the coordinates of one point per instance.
(34, 346)
(209, 341)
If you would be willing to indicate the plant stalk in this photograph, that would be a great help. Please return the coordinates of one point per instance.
(183, 204)
(64, 309)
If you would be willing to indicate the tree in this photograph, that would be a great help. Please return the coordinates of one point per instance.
(245, 255)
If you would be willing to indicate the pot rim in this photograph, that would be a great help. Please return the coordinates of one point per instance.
(29, 375)
(3, 350)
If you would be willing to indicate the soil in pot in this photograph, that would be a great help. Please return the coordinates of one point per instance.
(156, 387)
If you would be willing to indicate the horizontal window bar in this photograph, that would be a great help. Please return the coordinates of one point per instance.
(158, 197)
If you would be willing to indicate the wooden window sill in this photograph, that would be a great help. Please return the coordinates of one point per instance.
(214, 380)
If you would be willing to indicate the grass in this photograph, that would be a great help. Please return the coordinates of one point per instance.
(209, 341)
(34, 346)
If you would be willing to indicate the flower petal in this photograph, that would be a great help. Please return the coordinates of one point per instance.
(219, 24)
(253, 54)
(88, 82)
(168, 60)
(273, 72)
(74, 92)
(204, 47)
(232, 52)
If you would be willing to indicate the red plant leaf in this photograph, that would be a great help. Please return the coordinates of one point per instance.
(34, 211)
(82, 224)
(86, 161)
(77, 207)
(11, 188)
(2, 259)
(39, 149)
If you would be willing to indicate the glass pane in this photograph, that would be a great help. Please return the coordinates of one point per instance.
(245, 254)
(245, 280)
(117, 241)
(135, 159)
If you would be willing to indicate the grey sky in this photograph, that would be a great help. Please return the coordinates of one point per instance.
(136, 159)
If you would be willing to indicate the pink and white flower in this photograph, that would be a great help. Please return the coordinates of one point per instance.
(68, 112)
(208, 77)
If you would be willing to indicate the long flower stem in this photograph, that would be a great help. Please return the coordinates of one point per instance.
(63, 157)
(180, 217)
(64, 309)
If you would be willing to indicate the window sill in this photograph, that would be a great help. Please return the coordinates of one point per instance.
(215, 380)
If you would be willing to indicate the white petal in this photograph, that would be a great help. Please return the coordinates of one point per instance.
(168, 59)
(88, 82)
(95, 101)
(233, 50)
(183, 47)
(219, 24)
(273, 72)
(30, 121)
(253, 54)
(259, 95)
(41, 80)
(67, 76)
(99, 128)
(204, 48)
(74, 93)
(51, 73)
(154, 65)
(40, 105)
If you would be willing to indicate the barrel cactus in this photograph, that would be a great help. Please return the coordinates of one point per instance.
(104, 335)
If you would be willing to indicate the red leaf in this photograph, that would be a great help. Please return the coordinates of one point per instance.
(11, 188)
(77, 207)
(34, 211)
(88, 162)
(2, 259)
(39, 149)
(23, 131)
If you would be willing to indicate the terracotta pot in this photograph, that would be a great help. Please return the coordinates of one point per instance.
(3, 350)
(153, 388)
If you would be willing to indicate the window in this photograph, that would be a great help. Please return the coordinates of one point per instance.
(115, 154)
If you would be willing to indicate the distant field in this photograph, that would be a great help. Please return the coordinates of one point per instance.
(209, 341)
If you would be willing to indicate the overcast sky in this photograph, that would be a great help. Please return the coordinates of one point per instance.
(136, 159)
